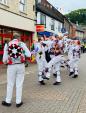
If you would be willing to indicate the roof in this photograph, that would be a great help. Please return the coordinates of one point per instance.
(78, 28)
(52, 12)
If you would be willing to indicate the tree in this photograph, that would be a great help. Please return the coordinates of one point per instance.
(77, 15)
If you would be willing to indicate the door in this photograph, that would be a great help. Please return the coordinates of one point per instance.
(4, 38)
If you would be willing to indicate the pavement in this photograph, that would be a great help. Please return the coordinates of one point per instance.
(69, 97)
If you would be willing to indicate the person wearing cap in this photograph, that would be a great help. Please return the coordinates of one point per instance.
(56, 62)
(14, 56)
(40, 59)
(74, 56)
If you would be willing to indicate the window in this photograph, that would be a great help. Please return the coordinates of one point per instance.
(59, 27)
(43, 19)
(3, 2)
(38, 1)
(0, 43)
(1, 30)
(52, 24)
(22, 5)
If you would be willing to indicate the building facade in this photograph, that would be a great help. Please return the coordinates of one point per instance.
(69, 27)
(48, 16)
(16, 16)
(78, 32)
(84, 29)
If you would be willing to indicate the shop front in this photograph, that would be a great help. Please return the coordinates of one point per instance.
(6, 34)
(40, 29)
(4, 38)
(45, 33)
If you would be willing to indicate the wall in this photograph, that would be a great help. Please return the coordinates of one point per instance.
(12, 17)
(48, 24)
(79, 34)
(13, 6)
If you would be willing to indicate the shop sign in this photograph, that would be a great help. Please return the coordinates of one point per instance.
(39, 28)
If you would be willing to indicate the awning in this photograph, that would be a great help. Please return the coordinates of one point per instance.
(46, 33)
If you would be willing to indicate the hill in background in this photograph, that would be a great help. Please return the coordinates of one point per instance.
(77, 16)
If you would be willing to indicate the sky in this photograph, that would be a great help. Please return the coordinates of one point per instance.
(66, 6)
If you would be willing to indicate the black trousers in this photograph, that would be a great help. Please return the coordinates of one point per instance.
(47, 56)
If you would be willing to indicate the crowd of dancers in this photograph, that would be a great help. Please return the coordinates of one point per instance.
(51, 53)
(55, 52)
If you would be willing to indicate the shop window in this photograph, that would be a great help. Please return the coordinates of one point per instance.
(3, 2)
(1, 30)
(0, 43)
(1, 56)
(22, 5)
(7, 31)
(6, 40)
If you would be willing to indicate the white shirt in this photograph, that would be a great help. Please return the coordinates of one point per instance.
(23, 45)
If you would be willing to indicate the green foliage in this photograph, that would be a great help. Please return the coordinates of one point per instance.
(77, 15)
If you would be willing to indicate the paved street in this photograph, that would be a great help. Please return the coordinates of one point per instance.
(69, 97)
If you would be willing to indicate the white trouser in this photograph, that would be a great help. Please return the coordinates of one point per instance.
(15, 73)
(76, 63)
(73, 63)
(70, 63)
(63, 60)
(53, 69)
(56, 61)
(57, 68)
(41, 67)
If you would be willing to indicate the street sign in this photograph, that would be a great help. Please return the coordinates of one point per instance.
(63, 30)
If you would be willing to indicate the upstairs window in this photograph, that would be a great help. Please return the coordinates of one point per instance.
(22, 5)
(59, 27)
(38, 1)
(52, 24)
(3, 2)
(43, 19)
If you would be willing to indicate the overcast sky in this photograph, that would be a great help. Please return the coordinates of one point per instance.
(68, 5)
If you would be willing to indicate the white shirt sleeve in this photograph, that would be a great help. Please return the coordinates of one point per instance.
(27, 51)
(5, 55)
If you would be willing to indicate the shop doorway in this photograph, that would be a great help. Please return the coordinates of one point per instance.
(4, 38)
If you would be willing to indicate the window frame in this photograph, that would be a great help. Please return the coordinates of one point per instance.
(23, 4)
(38, 1)
(41, 21)
(59, 27)
(4, 2)
(52, 24)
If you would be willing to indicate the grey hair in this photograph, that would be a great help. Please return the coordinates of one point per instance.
(16, 36)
